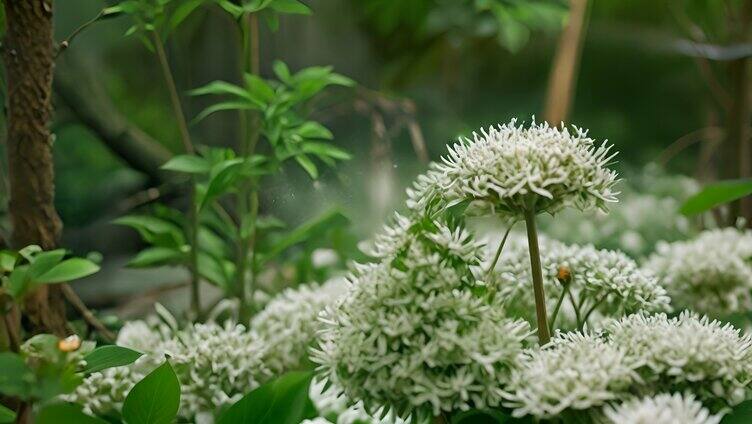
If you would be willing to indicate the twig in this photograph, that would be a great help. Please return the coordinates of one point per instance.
(86, 313)
(66, 43)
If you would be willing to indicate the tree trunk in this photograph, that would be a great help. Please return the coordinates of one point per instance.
(28, 53)
(563, 79)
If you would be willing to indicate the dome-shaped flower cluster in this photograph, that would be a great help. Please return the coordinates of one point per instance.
(637, 354)
(512, 168)
(288, 324)
(688, 352)
(602, 283)
(413, 336)
(573, 372)
(661, 409)
(711, 274)
(216, 366)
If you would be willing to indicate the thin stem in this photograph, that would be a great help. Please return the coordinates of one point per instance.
(575, 307)
(247, 200)
(86, 313)
(177, 108)
(555, 314)
(66, 43)
(498, 251)
(535, 267)
(193, 218)
(592, 309)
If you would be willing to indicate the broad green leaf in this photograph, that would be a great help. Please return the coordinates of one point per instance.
(29, 251)
(108, 357)
(18, 281)
(154, 230)
(68, 270)
(282, 72)
(223, 176)
(16, 377)
(66, 413)
(152, 256)
(740, 414)
(313, 129)
(290, 6)
(155, 399)
(7, 260)
(715, 195)
(213, 270)
(189, 164)
(259, 91)
(6, 415)
(230, 7)
(281, 401)
(44, 261)
(307, 164)
(272, 20)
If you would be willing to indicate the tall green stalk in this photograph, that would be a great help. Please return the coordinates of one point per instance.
(535, 267)
(193, 219)
(247, 200)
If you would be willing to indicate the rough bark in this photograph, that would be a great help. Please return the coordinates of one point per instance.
(563, 79)
(29, 60)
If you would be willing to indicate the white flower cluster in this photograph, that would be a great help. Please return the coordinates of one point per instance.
(661, 409)
(216, 365)
(708, 358)
(287, 326)
(509, 169)
(711, 274)
(637, 354)
(572, 372)
(606, 281)
(334, 408)
(413, 337)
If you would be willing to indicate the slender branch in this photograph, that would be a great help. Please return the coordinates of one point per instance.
(193, 218)
(535, 266)
(575, 306)
(86, 313)
(592, 309)
(66, 43)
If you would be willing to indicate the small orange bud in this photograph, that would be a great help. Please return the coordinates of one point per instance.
(564, 274)
(69, 344)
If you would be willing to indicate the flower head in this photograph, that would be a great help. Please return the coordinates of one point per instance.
(288, 324)
(605, 281)
(711, 274)
(661, 409)
(510, 169)
(412, 336)
(688, 352)
(573, 372)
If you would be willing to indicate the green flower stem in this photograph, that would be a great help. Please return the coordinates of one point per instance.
(498, 251)
(592, 309)
(535, 266)
(555, 314)
(185, 137)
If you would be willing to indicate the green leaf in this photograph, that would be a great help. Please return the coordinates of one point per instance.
(6, 415)
(281, 401)
(44, 261)
(309, 229)
(219, 107)
(154, 230)
(715, 195)
(154, 256)
(155, 399)
(313, 129)
(290, 6)
(109, 357)
(213, 270)
(68, 270)
(189, 164)
(8, 260)
(66, 413)
(307, 164)
(16, 378)
(182, 12)
(480, 416)
(323, 149)
(282, 72)
(18, 281)
(221, 88)
(740, 414)
(258, 90)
